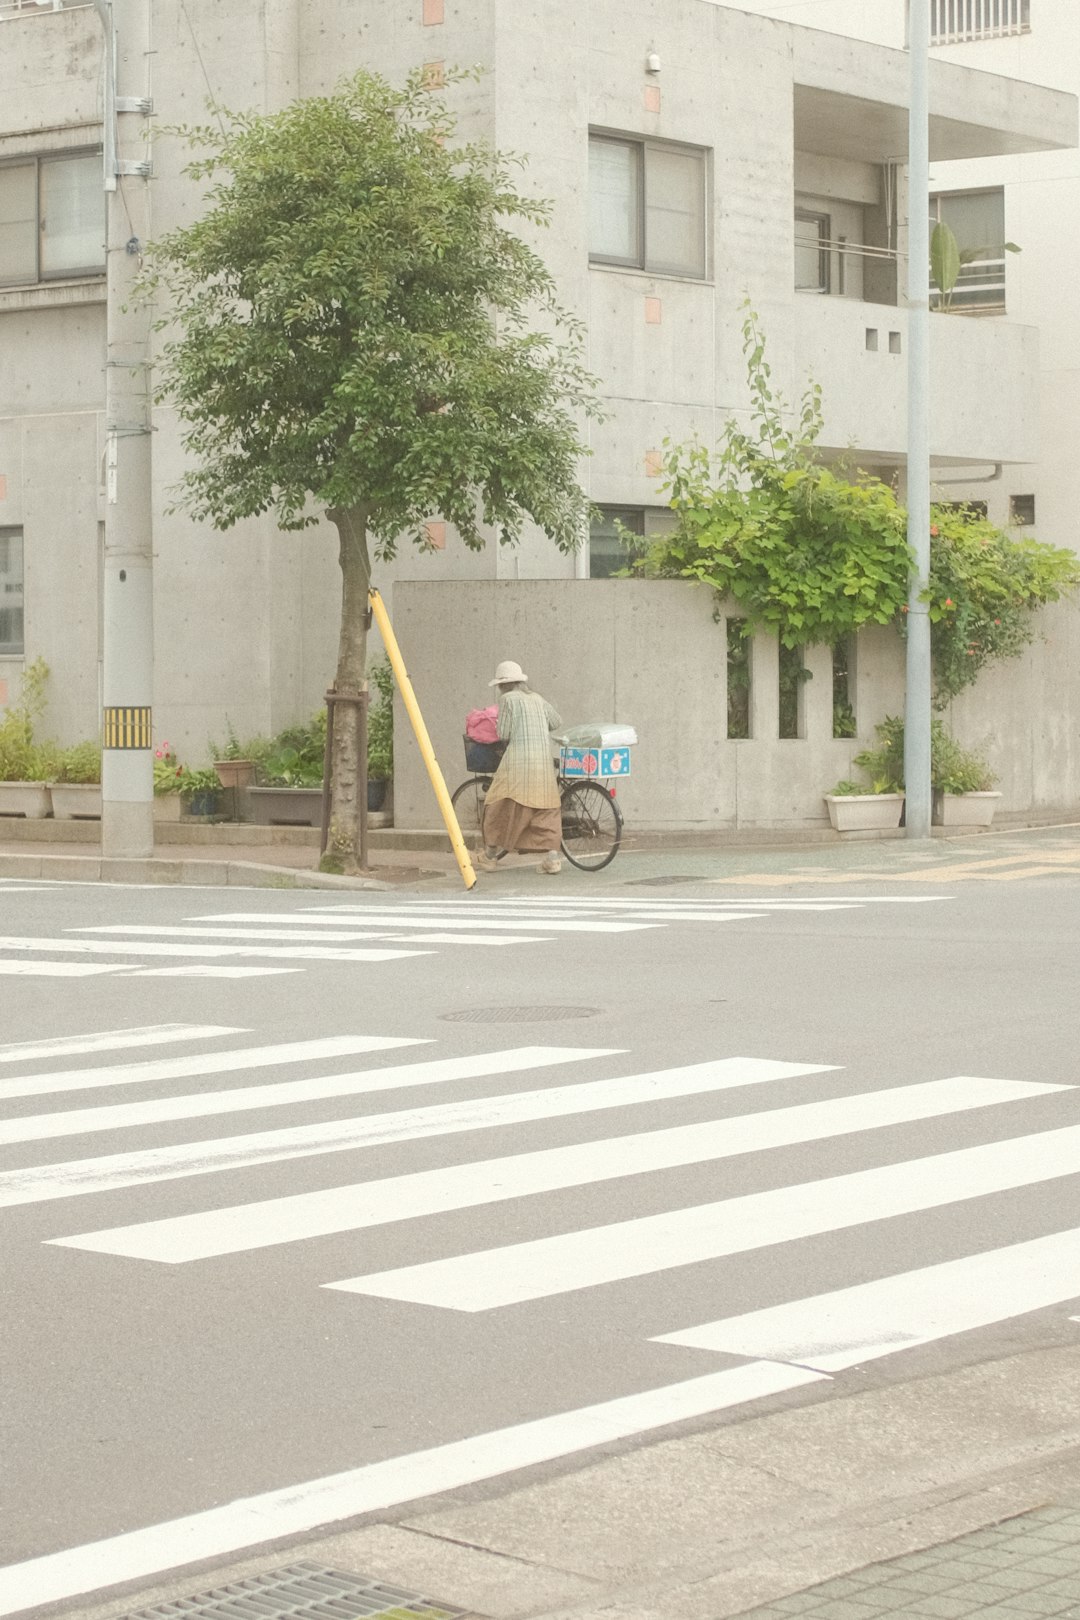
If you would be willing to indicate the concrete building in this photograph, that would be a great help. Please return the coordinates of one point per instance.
(696, 155)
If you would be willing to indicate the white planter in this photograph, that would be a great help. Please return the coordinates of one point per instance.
(864, 812)
(30, 799)
(167, 807)
(964, 809)
(73, 799)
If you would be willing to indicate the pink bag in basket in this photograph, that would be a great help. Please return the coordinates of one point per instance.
(481, 725)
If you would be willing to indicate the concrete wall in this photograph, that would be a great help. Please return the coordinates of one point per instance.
(651, 653)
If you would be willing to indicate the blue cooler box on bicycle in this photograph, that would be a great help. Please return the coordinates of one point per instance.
(596, 751)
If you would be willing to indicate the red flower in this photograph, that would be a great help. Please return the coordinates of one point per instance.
(934, 530)
(997, 621)
(904, 609)
(949, 602)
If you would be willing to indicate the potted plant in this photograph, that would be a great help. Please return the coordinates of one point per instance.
(200, 791)
(168, 776)
(288, 790)
(878, 804)
(25, 765)
(380, 735)
(76, 788)
(962, 784)
(234, 763)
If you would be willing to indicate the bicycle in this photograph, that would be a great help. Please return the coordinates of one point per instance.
(592, 822)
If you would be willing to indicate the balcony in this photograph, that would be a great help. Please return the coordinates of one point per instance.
(38, 8)
(956, 22)
(984, 374)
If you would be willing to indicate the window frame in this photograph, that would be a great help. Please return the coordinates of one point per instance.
(629, 516)
(41, 277)
(642, 145)
(11, 649)
(958, 304)
(823, 222)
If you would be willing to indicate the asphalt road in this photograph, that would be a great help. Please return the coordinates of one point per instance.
(159, 1359)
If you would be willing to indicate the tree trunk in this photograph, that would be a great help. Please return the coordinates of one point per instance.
(348, 773)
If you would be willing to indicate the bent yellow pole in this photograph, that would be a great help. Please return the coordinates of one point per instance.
(427, 753)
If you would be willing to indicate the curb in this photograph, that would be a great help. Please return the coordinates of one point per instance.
(190, 873)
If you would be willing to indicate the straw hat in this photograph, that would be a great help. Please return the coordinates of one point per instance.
(507, 673)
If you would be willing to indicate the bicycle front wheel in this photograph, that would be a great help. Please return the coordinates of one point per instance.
(468, 803)
(591, 826)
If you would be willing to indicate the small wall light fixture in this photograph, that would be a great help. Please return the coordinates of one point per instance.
(652, 63)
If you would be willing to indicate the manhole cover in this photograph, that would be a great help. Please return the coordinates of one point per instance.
(517, 1015)
(301, 1592)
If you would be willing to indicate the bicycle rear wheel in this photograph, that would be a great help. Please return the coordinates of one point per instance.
(591, 826)
(468, 803)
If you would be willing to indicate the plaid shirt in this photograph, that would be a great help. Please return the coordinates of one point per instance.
(527, 773)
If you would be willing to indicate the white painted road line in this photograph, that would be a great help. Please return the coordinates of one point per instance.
(138, 1554)
(287, 1093)
(851, 1325)
(113, 1040)
(201, 971)
(574, 904)
(204, 1064)
(466, 1186)
(299, 936)
(38, 1184)
(682, 1237)
(287, 953)
(59, 970)
(406, 916)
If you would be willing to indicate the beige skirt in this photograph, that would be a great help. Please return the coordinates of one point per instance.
(512, 826)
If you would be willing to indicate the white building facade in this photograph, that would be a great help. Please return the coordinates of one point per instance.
(696, 155)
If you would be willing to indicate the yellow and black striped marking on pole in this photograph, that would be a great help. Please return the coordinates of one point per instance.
(127, 727)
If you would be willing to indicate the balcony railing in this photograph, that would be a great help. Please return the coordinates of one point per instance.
(954, 22)
(37, 8)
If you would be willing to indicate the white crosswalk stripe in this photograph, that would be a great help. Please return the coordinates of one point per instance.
(112, 1040)
(236, 945)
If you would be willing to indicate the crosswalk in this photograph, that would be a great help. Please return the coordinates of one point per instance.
(255, 944)
(884, 1152)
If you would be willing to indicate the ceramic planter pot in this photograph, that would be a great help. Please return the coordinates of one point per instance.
(72, 800)
(864, 812)
(234, 773)
(29, 799)
(376, 792)
(964, 809)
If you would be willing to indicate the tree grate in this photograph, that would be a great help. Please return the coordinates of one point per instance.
(303, 1591)
(517, 1015)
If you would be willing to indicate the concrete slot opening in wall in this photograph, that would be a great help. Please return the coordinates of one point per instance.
(738, 679)
(844, 723)
(895, 345)
(871, 340)
(793, 677)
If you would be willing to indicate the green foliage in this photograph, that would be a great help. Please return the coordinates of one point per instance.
(204, 780)
(985, 588)
(947, 259)
(22, 758)
(805, 551)
(953, 769)
(380, 726)
(294, 758)
(80, 763)
(351, 324)
(232, 748)
(168, 771)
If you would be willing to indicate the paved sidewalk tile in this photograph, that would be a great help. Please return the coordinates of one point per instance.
(1027, 1568)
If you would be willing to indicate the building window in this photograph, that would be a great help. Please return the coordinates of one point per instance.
(1022, 510)
(977, 220)
(608, 553)
(52, 218)
(813, 233)
(953, 22)
(647, 205)
(11, 591)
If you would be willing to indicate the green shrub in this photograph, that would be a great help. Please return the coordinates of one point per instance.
(22, 759)
(953, 769)
(80, 763)
(380, 729)
(294, 758)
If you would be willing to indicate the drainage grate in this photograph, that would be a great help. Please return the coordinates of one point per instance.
(300, 1592)
(517, 1015)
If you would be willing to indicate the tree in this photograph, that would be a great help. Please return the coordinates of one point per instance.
(355, 326)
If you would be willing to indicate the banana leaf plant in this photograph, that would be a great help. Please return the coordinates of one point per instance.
(948, 260)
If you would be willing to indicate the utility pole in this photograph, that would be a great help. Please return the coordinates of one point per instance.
(127, 778)
(918, 698)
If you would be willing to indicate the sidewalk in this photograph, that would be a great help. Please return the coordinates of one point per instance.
(231, 854)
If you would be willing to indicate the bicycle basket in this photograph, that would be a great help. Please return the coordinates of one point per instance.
(483, 758)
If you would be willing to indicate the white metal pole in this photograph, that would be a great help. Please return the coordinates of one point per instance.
(918, 699)
(127, 780)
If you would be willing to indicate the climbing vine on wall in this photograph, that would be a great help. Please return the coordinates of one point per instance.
(814, 552)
